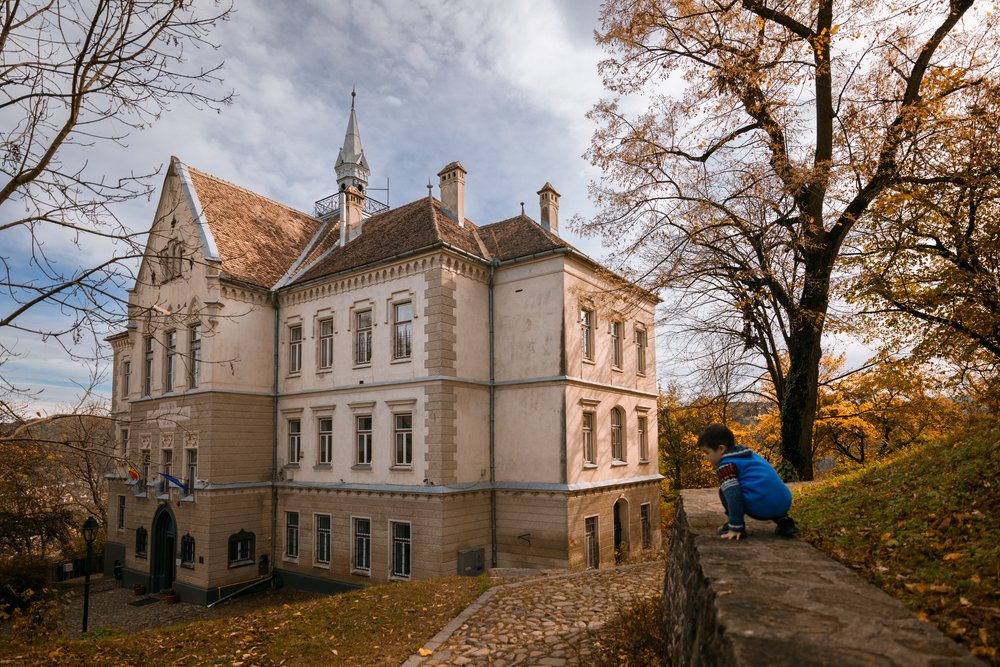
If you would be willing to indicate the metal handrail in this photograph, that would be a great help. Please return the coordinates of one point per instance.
(328, 206)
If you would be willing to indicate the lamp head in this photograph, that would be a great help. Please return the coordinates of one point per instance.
(89, 529)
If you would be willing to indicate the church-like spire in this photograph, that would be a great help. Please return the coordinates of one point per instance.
(352, 167)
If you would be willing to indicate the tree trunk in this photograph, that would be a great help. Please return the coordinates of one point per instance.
(798, 409)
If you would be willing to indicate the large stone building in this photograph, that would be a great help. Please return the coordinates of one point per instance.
(369, 394)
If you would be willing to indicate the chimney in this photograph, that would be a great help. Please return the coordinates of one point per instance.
(548, 200)
(352, 206)
(453, 190)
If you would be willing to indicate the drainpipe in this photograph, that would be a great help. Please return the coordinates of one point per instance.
(274, 435)
(493, 489)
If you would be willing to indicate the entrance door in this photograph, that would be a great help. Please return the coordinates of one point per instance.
(163, 551)
(621, 530)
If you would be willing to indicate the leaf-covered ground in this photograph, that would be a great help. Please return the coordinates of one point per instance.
(923, 526)
(376, 626)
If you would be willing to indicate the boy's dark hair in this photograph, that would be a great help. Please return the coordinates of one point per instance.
(715, 435)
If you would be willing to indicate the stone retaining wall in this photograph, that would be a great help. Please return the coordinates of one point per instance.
(773, 601)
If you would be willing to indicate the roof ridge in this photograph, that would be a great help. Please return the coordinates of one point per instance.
(434, 218)
(248, 190)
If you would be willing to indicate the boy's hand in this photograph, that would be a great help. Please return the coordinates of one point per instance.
(731, 535)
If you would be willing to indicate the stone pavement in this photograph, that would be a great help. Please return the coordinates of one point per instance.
(542, 621)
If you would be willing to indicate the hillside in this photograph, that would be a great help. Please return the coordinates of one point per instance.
(922, 525)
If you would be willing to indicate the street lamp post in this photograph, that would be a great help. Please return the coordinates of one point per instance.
(89, 530)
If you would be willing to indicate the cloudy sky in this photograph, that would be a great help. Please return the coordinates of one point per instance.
(501, 85)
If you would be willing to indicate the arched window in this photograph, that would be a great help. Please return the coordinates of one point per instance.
(141, 539)
(617, 435)
(242, 547)
(187, 551)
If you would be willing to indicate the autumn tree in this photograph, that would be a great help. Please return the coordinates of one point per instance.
(788, 121)
(928, 270)
(75, 76)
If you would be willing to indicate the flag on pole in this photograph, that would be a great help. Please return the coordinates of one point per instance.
(173, 480)
(133, 473)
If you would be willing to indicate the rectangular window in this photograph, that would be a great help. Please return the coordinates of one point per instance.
(361, 559)
(403, 425)
(590, 542)
(126, 378)
(295, 348)
(170, 362)
(403, 336)
(587, 333)
(640, 351)
(325, 440)
(364, 439)
(292, 534)
(326, 343)
(616, 344)
(141, 538)
(323, 538)
(363, 337)
(647, 533)
(192, 468)
(121, 512)
(194, 361)
(124, 451)
(166, 465)
(187, 551)
(400, 533)
(588, 438)
(294, 440)
(643, 446)
(147, 366)
(144, 463)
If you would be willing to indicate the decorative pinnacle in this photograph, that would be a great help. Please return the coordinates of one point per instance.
(430, 188)
(522, 208)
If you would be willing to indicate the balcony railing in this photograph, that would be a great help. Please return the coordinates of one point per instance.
(330, 206)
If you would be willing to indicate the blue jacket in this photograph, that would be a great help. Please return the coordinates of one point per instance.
(751, 486)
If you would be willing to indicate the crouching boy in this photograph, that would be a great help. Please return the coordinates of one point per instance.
(748, 485)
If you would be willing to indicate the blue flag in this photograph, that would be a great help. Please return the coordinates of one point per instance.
(170, 478)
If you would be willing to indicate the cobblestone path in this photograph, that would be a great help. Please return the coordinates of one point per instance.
(544, 621)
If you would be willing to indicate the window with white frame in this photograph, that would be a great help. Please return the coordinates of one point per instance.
(403, 330)
(295, 348)
(643, 439)
(616, 344)
(121, 512)
(361, 558)
(291, 534)
(326, 343)
(587, 333)
(363, 435)
(325, 440)
(363, 337)
(400, 549)
(647, 532)
(166, 465)
(242, 548)
(147, 366)
(187, 551)
(192, 468)
(591, 544)
(294, 440)
(126, 378)
(640, 350)
(617, 435)
(588, 438)
(170, 362)
(322, 522)
(194, 356)
(403, 437)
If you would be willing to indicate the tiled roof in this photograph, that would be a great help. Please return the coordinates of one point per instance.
(519, 236)
(258, 239)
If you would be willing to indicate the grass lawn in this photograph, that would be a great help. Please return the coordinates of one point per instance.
(383, 625)
(922, 525)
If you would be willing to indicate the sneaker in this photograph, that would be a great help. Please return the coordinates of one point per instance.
(786, 527)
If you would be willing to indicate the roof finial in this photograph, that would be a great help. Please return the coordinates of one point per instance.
(522, 208)
(430, 188)
(354, 93)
